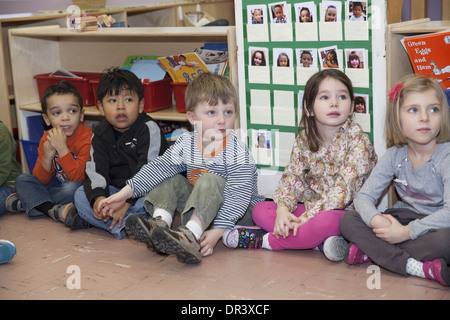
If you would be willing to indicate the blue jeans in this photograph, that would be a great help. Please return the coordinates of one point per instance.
(5, 191)
(87, 213)
(33, 193)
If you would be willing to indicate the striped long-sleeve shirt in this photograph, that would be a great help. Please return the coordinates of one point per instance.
(233, 162)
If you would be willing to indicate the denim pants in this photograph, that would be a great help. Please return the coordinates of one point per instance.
(32, 193)
(205, 197)
(87, 213)
(5, 191)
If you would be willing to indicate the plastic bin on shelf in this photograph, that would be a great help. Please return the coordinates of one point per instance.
(157, 94)
(30, 148)
(36, 127)
(82, 84)
(179, 88)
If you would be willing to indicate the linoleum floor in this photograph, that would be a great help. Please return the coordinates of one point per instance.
(54, 262)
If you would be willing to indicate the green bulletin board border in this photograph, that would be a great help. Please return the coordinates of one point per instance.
(295, 88)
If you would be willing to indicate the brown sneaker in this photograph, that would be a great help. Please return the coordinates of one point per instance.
(180, 242)
(140, 228)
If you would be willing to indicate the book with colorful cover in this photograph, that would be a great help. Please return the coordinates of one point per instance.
(430, 55)
(183, 67)
(145, 67)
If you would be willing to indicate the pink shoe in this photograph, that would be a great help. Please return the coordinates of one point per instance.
(354, 255)
(437, 270)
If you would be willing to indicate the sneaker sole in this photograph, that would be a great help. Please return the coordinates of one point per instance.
(138, 231)
(443, 273)
(165, 242)
(232, 240)
(7, 206)
(11, 247)
(334, 248)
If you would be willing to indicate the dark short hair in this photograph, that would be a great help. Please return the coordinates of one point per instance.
(115, 80)
(62, 87)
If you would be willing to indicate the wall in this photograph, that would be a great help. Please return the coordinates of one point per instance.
(434, 10)
(21, 6)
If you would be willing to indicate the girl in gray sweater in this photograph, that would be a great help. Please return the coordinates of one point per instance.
(412, 237)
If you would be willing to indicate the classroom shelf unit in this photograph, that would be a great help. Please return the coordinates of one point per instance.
(40, 50)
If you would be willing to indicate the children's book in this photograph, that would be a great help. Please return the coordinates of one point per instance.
(218, 68)
(183, 67)
(145, 67)
(430, 55)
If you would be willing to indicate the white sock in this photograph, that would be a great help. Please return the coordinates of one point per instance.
(415, 268)
(195, 228)
(165, 215)
(265, 243)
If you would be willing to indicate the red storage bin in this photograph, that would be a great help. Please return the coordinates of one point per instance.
(157, 94)
(82, 84)
(179, 88)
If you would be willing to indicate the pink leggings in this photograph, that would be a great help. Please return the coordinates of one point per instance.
(323, 225)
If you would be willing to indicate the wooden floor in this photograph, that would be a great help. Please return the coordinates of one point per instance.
(124, 269)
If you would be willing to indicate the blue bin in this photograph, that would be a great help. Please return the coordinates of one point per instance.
(36, 127)
(30, 148)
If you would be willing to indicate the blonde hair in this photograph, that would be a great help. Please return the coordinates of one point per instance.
(393, 130)
(211, 88)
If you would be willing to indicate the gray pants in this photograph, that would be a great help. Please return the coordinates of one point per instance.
(205, 198)
(393, 257)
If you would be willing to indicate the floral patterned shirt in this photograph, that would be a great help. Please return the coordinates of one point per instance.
(329, 178)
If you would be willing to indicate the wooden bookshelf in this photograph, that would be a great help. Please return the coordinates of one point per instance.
(44, 49)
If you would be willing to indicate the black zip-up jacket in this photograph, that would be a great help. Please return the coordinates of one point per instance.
(116, 157)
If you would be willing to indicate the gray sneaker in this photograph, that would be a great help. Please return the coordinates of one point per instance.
(140, 228)
(334, 248)
(13, 204)
(180, 242)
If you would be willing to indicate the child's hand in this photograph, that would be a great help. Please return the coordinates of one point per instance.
(119, 214)
(49, 154)
(209, 240)
(298, 222)
(284, 222)
(108, 205)
(98, 213)
(379, 221)
(58, 140)
(394, 233)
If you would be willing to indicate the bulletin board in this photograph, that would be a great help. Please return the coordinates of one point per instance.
(271, 94)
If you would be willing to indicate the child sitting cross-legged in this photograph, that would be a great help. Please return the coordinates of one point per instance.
(220, 189)
(330, 161)
(62, 155)
(127, 139)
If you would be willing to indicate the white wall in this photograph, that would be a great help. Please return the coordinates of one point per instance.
(21, 6)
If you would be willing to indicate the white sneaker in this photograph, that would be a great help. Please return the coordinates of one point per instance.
(334, 248)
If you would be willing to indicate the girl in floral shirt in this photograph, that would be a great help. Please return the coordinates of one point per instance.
(331, 159)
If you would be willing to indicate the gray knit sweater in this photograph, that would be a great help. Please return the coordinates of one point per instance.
(425, 190)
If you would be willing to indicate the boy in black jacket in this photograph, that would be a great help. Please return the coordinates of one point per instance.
(121, 145)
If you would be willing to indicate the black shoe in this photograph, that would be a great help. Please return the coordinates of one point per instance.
(74, 221)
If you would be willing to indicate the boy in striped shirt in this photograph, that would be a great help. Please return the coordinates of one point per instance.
(220, 187)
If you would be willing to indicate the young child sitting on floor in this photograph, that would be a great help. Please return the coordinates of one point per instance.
(62, 156)
(127, 139)
(220, 189)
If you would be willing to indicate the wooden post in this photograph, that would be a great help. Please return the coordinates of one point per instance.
(419, 9)
(394, 11)
(445, 10)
